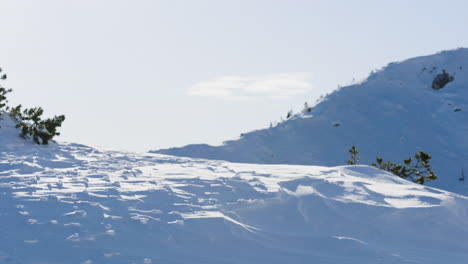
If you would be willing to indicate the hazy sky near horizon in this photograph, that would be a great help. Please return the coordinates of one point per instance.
(141, 75)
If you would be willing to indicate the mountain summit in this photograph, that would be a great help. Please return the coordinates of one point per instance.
(420, 104)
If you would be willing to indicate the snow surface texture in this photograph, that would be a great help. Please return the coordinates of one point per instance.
(69, 203)
(393, 114)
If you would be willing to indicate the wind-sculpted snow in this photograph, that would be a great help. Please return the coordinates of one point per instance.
(69, 203)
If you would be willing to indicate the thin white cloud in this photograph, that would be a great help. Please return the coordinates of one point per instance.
(275, 86)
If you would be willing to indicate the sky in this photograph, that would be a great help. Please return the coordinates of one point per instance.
(140, 75)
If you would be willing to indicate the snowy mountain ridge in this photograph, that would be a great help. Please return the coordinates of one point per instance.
(70, 203)
(394, 113)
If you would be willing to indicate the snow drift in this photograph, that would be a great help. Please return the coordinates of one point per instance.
(70, 203)
(404, 108)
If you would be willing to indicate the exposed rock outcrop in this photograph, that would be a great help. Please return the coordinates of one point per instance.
(441, 80)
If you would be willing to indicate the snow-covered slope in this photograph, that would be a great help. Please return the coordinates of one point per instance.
(393, 114)
(69, 203)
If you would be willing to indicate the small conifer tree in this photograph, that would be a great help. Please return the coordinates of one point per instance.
(419, 172)
(307, 108)
(30, 121)
(3, 92)
(354, 159)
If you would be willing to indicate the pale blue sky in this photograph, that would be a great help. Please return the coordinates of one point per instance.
(142, 75)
